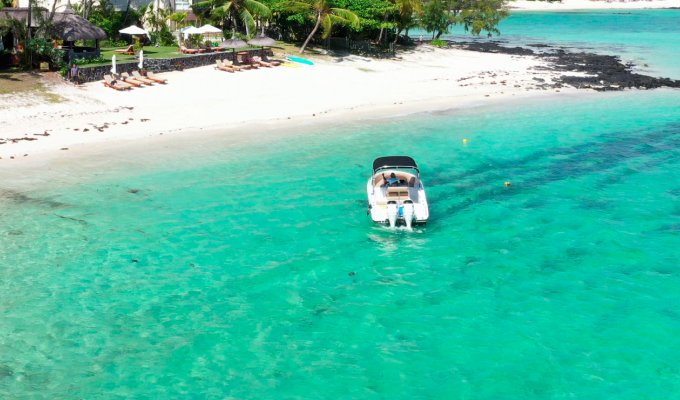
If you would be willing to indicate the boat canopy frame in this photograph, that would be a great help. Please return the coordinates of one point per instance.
(389, 162)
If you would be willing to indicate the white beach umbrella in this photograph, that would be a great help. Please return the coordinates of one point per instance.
(141, 59)
(207, 28)
(113, 64)
(191, 30)
(134, 30)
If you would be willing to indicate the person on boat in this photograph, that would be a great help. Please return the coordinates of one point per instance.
(392, 180)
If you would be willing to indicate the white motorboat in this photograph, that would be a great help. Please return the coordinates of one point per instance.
(396, 194)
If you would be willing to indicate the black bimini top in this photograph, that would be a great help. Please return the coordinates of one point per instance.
(394, 162)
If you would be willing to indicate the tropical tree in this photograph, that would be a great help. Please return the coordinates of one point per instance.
(84, 8)
(374, 15)
(405, 15)
(436, 18)
(479, 15)
(244, 10)
(157, 17)
(324, 15)
(105, 16)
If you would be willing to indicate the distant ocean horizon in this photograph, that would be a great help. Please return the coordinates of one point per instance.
(252, 270)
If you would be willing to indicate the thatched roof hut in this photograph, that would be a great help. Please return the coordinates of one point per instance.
(67, 25)
(70, 26)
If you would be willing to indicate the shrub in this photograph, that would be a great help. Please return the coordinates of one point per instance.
(439, 43)
(44, 50)
(86, 61)
(163, 37)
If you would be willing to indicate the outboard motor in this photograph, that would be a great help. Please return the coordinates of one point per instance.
(408, 213)
(392, 211)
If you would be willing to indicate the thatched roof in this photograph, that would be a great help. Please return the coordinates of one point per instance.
(67, 25)
(70, 26)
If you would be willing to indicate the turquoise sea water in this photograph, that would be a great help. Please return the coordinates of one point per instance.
(648, 38)
(252, 271)
(255, 272)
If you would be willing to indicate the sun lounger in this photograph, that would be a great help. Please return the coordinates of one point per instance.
(243, 60)
(247, 60)
(219, 65)
(128, 79)
(272, 61)
(229, 63)
(155, 78)
(187, 51)
(130, 50)
(259, 61)
(114, 84)
(136, 75)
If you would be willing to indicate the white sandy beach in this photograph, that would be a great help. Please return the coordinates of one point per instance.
(208, 99)
(565, 5)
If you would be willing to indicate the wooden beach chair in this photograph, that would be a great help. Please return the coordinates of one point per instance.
(229, 63)
(243, 61)
(130, 50)
(272, 61)
(184, 50)
(137, 76)
(258, 60)
(114, 84)
(155, 78)
(219, 65)
(128, 79)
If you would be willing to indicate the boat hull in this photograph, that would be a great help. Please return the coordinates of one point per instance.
(379, 202)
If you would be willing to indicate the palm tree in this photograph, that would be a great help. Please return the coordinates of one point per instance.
(245, 10)
(325, 17)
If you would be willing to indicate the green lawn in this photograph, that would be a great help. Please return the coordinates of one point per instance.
(149, 52)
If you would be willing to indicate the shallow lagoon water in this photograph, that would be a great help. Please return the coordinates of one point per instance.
(254, 272)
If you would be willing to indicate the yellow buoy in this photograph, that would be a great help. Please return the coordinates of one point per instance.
(465, 141)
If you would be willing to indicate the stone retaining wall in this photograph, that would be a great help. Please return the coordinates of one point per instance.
(92, 74)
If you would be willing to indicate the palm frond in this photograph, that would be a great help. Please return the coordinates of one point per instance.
(225, 7)
(257, 8)
(348, 16)
(248, 20)
(326, 26)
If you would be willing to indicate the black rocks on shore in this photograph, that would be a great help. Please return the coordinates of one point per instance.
(604, 72)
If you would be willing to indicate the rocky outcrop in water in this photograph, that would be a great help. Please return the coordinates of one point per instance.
(604, 72)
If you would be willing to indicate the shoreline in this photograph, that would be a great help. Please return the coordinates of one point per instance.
(33, 179)
(253, 106)
(204, 98)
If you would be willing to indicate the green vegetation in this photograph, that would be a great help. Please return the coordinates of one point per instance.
(382, 22)
(439, 43)
(149, 52)
(324, 16)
